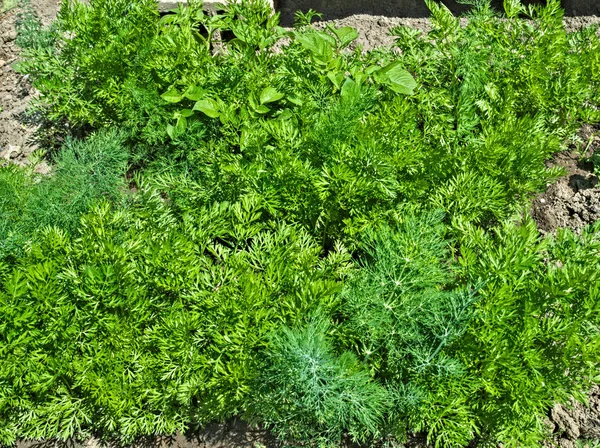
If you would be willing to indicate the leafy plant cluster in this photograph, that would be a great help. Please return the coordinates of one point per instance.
(328, 242)
(83, 173)
(147, 322)
(324, 134)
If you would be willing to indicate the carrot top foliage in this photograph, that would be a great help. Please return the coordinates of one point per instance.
(322, 240)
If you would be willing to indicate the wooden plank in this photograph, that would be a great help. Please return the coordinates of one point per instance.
(209, 5)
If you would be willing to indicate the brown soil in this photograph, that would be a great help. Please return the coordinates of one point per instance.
(17, 127)
(573, 201)
(575, 422)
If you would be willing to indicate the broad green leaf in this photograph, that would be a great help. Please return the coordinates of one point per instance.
(172, 96)
(178, 129)
(194, 93)
(327, 38)
(346, 35)
(319, 44)
(270, 95)
(208, 107)
(180, 126)
(335, 64)
(398, 79)
(360, 78)
(285, 114)
(169, 18)
(372, 69)
(296, 100)
(252, 101)
(350, 91)
(262, 109)
(171, 131)
(336, 78)
(358, 75)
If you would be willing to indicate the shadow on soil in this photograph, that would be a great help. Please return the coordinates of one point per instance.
(340, 9)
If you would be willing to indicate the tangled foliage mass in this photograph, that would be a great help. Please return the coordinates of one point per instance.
(328, 242)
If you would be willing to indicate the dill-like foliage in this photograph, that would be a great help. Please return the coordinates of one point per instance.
(84, 172)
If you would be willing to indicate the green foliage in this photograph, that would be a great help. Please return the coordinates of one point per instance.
(146, 322)
(282, 175)
(534, 340)
(84, 172)
(471, 139)
(498, 97)
(596, 161)
(98, 47)
(31, 35)
(481, 347)
(402, 315)
(306, 393)
(463, 118)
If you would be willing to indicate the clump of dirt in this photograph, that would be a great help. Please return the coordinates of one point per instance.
(575, 421)
(573, 201)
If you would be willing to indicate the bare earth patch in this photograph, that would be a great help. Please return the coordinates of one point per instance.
(573, 201)
(17, 127)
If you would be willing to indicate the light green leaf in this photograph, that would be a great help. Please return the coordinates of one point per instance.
(169, 18)
(194, 93)
(350, 91)
(262, 109)
(180, 126)
(360, 78)
(172, 96)
(346, 35)
(372, 69)
(319, 44)
(178, 129)
(398, 79)
(208, 107)
(171, 131)
(336, 78)
(270, 95)
(296, 100)
(285, 114)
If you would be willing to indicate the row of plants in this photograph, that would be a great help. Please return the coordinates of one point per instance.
(284, 228)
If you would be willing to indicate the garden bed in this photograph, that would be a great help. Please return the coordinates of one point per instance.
(571, 201)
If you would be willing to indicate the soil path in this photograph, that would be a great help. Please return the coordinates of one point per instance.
(17, 127)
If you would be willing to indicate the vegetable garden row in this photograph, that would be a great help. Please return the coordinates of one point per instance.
(284, 228)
